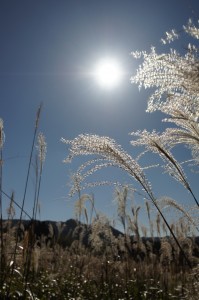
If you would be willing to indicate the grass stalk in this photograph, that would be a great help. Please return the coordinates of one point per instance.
(2, 267)
(24, 195)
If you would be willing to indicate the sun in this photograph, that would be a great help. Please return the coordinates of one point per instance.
(108, 73)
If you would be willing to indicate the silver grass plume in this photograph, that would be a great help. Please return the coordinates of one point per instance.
(188, 134)
(101, 235)
(121, 198)
(2, 135)
(191, 29)
(175, 80)
(11, 210)
(159, 143)
(166, 202)
(169, 74)
(148, 209)
(112, 154)
(115, 156)
(80, 204)
(156, 143)
(41, 147)
(165, 252)
(170, 37)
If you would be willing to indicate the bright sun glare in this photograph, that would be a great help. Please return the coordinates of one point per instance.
(108, 73)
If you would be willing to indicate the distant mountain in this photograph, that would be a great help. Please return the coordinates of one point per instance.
(52, 232)
(49, 233)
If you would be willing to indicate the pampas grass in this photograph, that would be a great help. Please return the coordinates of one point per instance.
(1, 208)
(108, 267)
(174, 79)
(94, 261)
(9, 261)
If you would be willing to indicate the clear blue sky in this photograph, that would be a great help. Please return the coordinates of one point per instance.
(47, 50)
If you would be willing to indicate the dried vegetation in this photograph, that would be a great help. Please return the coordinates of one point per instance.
(158, 261)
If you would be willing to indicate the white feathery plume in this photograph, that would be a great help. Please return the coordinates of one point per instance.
(2, 135)
(110, 152)
(42, 147)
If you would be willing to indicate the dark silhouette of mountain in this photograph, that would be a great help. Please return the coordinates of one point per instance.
(49, 233)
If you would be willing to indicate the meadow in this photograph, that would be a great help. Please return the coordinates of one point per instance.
(160, 261)
(95, 261)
